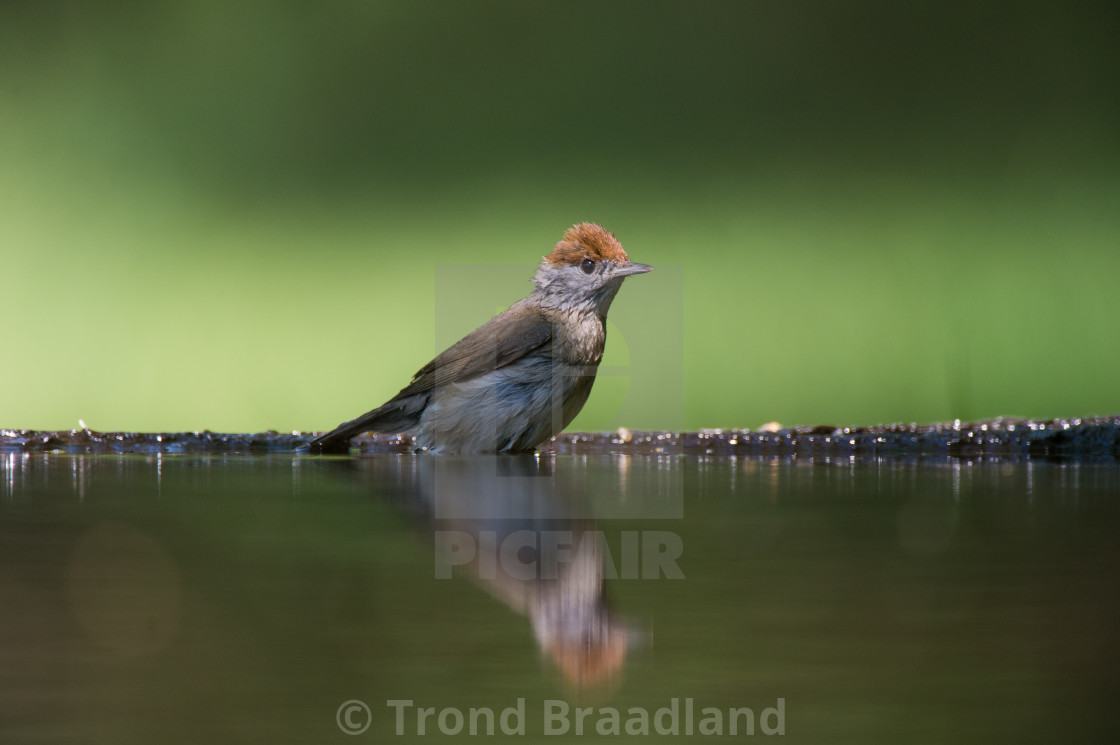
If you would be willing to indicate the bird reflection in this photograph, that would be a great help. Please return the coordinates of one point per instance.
(526, 535)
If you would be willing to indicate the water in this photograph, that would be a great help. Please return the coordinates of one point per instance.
(233, 598)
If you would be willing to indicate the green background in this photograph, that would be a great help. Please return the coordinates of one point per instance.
(232, 215)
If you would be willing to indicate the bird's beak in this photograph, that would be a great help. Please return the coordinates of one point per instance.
(630, 267)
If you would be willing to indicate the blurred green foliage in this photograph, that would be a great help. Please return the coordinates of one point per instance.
(230, 215)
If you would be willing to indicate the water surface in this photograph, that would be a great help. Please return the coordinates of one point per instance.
(234, 598)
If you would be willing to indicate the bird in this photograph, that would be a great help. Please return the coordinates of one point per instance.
(520, 378)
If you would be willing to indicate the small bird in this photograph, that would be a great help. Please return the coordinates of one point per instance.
(523, 376)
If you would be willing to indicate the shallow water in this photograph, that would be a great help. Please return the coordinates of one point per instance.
(233, 598)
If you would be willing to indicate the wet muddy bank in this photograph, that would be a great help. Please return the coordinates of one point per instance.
(1024, 438)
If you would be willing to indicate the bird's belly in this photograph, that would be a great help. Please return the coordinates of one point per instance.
(511, 409)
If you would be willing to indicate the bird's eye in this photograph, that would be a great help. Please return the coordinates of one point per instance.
(587, 265)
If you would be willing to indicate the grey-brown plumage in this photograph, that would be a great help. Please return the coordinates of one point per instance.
(523, 376)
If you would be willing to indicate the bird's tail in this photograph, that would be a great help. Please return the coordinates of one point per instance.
(398, 415)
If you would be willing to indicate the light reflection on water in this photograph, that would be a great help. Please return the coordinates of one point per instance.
(235, 598)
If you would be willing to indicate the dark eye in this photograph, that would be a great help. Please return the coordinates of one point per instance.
(587, 265)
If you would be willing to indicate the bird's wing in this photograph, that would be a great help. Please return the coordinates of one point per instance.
(504, 339)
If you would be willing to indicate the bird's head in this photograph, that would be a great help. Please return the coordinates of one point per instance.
(585, 270)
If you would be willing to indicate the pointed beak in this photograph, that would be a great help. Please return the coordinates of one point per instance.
(630, 267)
